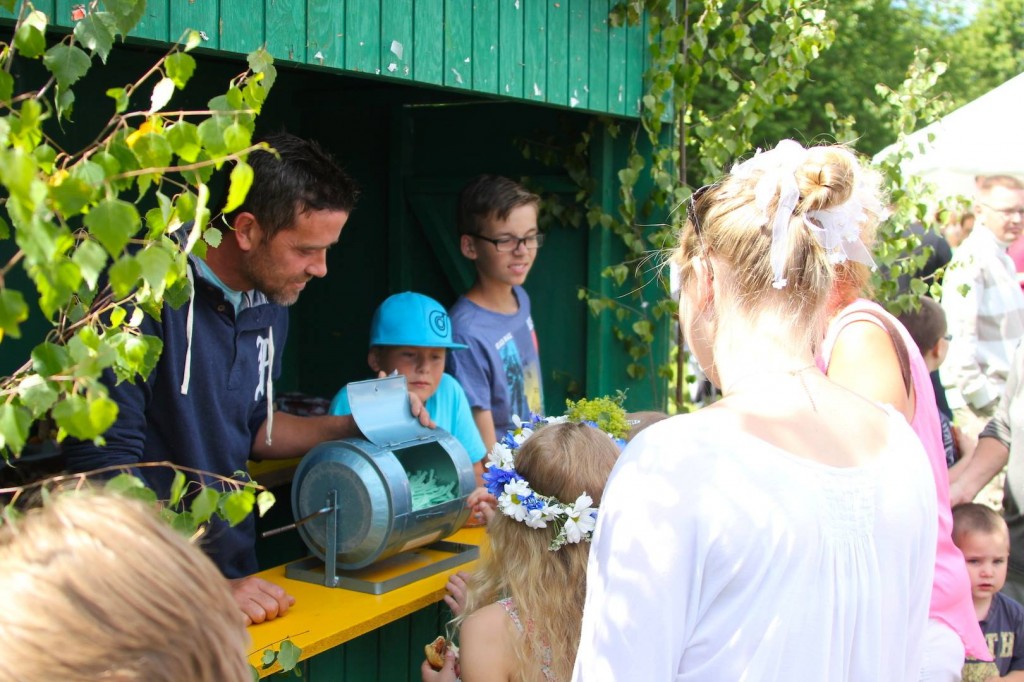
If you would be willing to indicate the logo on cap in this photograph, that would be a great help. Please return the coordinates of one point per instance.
(439, 322)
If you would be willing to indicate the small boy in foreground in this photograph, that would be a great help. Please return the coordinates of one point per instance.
(410, 334)
(497, 221)
(982, 536)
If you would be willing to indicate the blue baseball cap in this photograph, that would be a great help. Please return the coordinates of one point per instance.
(410, 319)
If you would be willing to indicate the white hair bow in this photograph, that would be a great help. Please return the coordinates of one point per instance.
(838, 233)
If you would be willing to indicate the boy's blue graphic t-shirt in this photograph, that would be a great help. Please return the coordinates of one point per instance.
(1004, 632)
(500, 371)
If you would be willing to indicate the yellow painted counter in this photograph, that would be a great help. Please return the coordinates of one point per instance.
(324, 617)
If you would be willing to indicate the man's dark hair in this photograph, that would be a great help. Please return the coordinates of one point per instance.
(490, 196)
(926, 325)
(300, 177)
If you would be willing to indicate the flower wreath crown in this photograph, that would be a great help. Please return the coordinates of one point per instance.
(574, 522)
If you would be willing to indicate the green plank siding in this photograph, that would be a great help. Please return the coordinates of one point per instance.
(485, 45)
(242, 27)
(458, 43)
(286, 29)
(636, 64)
(510, 47)
(579, 53)
(557, 91)
(535, 50)
(198, 15)
(561, 52)
(325, 26)
(428, 48)
(598, 78)
(62, 13)
(616, 70)
(396, 38)
(44, 6)
(155, 22)
(362, 35)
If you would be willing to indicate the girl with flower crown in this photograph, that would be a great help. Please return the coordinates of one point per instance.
(787, 532)
(521, 619)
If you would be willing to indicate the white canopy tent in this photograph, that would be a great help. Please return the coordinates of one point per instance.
(983, 137)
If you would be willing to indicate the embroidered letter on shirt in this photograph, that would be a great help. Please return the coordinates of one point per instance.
(263, 348)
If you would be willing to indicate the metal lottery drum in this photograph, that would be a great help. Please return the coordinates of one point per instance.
(402, 487)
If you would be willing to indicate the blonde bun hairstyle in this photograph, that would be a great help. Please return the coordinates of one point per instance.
(730, 226)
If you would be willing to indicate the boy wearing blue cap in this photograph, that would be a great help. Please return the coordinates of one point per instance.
(410, 334)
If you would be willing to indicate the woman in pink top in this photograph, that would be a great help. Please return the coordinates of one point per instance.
(859, 353)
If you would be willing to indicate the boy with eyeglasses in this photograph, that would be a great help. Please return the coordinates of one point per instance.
(500, 371)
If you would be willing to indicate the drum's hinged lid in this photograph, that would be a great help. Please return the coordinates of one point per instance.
(382, 411)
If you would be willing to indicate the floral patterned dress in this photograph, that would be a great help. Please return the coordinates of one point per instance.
(513, 613)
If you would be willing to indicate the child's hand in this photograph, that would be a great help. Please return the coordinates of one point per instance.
(457, 587)
(445, 674)
(482, 503)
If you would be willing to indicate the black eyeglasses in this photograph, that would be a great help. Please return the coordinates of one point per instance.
(510, 244)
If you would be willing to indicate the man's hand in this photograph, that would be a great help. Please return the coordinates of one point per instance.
(260, 600)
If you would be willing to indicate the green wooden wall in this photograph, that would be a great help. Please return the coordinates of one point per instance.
(558, 52)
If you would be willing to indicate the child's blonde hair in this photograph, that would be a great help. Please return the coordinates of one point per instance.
(546, 587)
(727, 227)
(972, 517)
(97, 587)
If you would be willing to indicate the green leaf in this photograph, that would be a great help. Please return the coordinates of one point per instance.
(262, 62)
(67, 63)
(289, 655)
(193, 40)
(127, 13)
(123, 275)
(30, 37)
(123, 483)
(153, 151)
(91, 260)
(6, 86)
(237, 505)
(179, 68)
(204, 505)
(237, 137)
(85, 418)
(13, 311)
(156, 262)
(212, 236)
(268, 658)
(177, 488)
(72, 193)
(184, 523)
(120, 97)
(162, 92)
(49, 359)
(15, 421)
(211, 133)
(37, 394)
(97, 32)
(184, 139)
(241, 181)
(264, 501)
(113, 222)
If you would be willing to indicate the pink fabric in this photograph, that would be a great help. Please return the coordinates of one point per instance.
(951, 589)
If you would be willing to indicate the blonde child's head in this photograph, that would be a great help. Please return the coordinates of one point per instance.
(982, 536)
(97, 587)
(547, 587)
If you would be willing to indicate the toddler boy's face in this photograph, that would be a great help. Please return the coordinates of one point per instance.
(422, 366)
(986, 555)
(508, 267)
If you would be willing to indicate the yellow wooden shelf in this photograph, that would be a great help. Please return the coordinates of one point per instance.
(323, 617)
